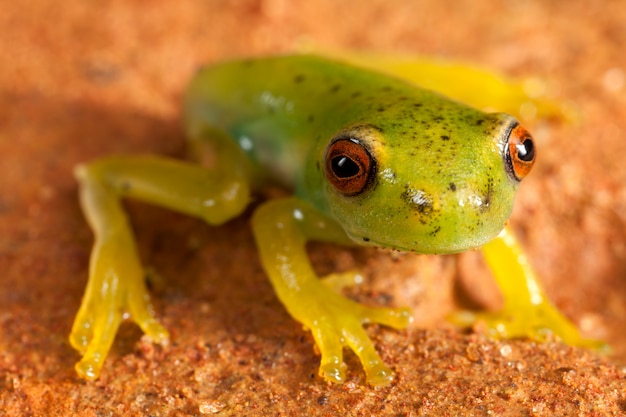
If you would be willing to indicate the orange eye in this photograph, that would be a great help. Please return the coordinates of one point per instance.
(349, 166)
(520, 153)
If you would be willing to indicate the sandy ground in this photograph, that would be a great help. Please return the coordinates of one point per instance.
(82, 79)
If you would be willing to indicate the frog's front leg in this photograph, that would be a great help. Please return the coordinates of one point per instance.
(282, 228)
(116, 289)
(527, 311)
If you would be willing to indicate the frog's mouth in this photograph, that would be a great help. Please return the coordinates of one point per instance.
(392, 248)
(453, 242)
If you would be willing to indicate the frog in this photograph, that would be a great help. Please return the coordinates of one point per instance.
(371, 159)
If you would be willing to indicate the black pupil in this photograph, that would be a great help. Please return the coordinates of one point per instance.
(526, 150)
(344, 167)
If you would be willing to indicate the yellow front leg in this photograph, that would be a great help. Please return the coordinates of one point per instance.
(282, 228)
(116, 285)
(527, 311)
(116, 289)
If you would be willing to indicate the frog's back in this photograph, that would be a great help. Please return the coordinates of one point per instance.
(278, 108)
(285, 91)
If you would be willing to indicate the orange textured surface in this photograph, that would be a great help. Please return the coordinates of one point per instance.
(83, 79)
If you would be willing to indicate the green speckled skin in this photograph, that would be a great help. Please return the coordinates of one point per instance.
(438, 180)
(440, 185)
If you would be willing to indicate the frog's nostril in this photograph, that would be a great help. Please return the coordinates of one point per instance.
(419, 201)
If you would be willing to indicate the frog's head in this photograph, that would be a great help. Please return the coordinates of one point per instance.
(443, 188)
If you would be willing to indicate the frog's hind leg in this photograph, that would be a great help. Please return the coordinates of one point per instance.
(116, 289)
(468, 84)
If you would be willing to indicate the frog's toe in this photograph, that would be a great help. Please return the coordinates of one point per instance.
(377, 373)
(97, 348)
(334, 372)
(155, 331)
(398, 318)
(143, 315)
(332, 367)
(82, 333)
(497, 324)
(545, 319)
(339, 280)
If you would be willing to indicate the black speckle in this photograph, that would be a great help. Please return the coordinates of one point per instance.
(486, 200)
(380, 109)
(317, 164)
(298, 78)
(365, 239)
(335, 88)
(445, 137)
(487, 196)
(452, 186)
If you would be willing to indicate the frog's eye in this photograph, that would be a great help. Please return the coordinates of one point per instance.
(350, 167)
(519, 153)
